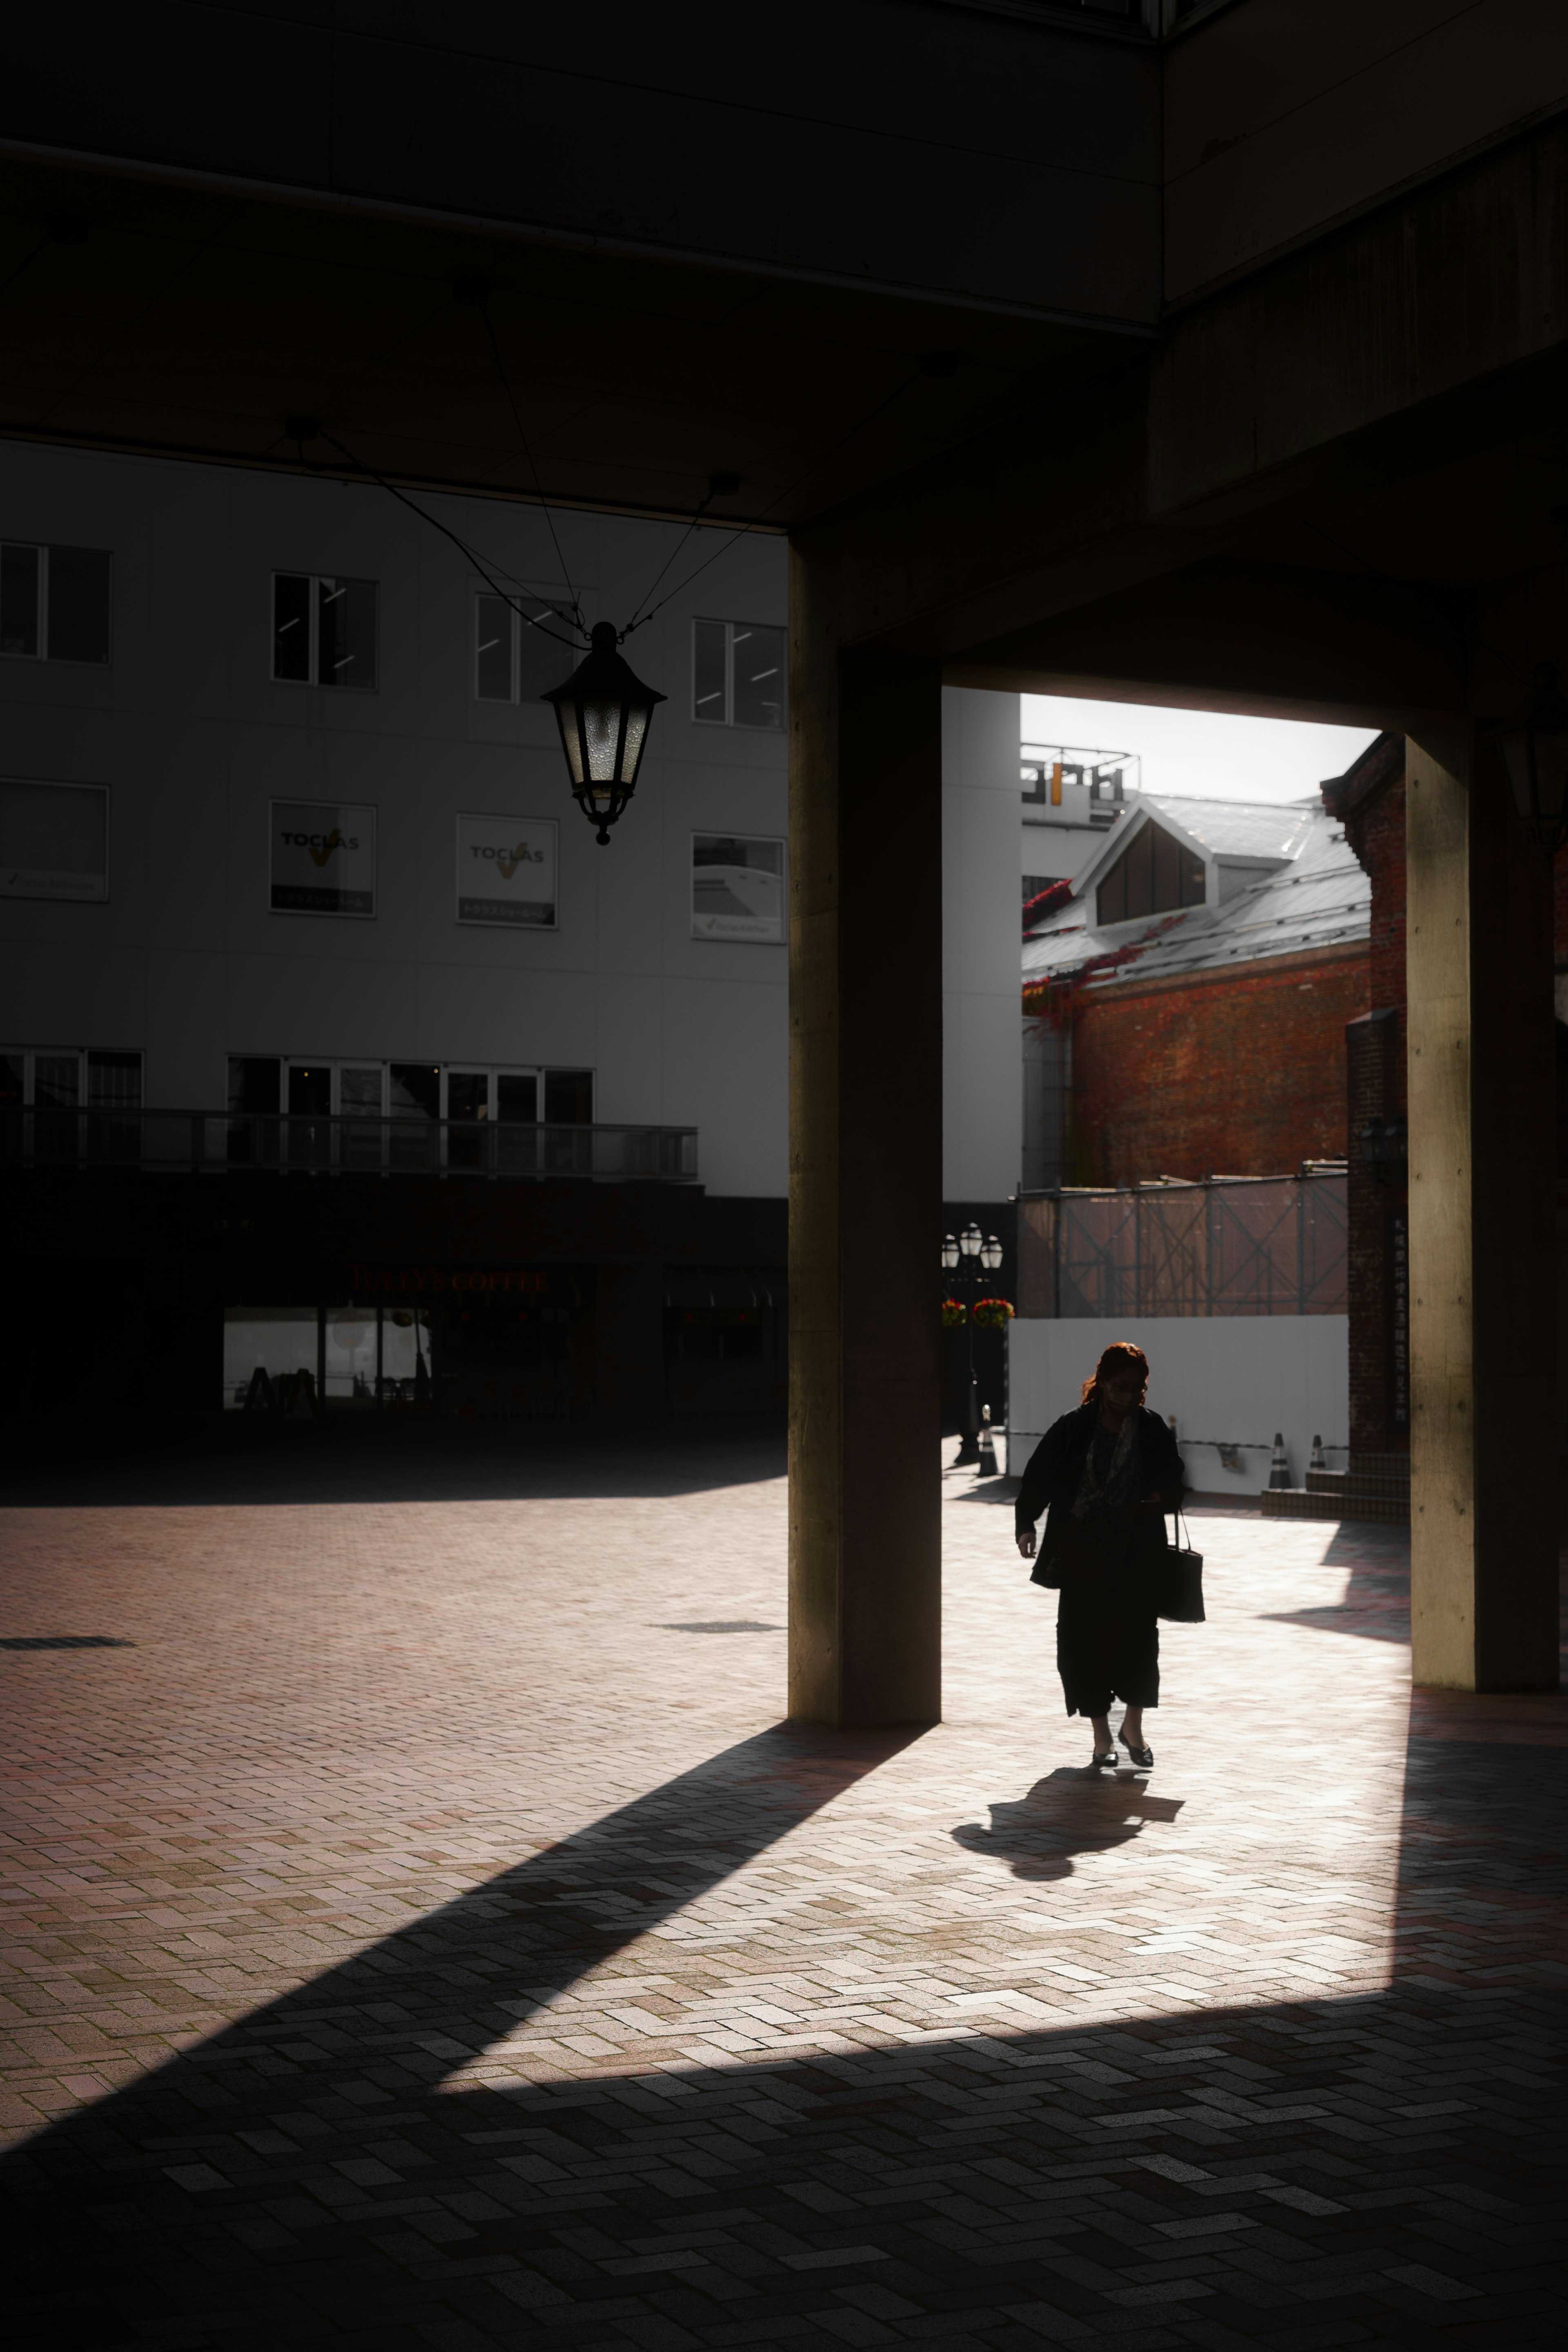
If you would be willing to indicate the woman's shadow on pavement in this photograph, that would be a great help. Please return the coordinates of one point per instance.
(1069, 1812)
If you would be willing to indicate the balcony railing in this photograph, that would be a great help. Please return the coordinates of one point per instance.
(217, 1143)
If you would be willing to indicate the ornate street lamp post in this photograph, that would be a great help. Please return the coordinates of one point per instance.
(975, 1254)
(602, 711)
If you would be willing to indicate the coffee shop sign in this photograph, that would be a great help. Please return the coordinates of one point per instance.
(428, 1278)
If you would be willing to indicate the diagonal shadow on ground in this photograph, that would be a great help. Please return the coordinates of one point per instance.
(1385, 2161)
(462, 1976)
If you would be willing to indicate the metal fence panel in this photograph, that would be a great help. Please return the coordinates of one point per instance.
(1325, 1247)
(1266, 1245)
(1172, 1264)
(1037, 1257)
(1097, 1254)
(1255, 1248)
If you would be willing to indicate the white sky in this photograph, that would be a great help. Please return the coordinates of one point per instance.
(1204, 752)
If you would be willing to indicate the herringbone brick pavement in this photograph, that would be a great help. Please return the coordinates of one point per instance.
(423, 1932)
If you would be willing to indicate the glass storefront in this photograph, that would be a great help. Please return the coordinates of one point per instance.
(269, 1358)
(408, 1356)
(348, 1374)
(298, 1361)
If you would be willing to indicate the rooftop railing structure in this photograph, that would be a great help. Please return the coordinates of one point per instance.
(1226, 1245)
(218, 1143)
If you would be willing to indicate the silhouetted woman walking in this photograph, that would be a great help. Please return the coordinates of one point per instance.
(1105, 1475)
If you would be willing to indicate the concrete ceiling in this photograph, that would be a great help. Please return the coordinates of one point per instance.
(142, 313)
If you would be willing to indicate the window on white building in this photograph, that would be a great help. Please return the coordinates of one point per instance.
(518, 659)
(323, 630)
(54, 603)
(738, 671)
(309, 1088)
(70, 1077)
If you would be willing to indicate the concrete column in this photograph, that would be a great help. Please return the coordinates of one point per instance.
(1482, 1217)
(983, 1140)
(865, 1213)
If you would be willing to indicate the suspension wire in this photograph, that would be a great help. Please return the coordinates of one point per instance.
(639, 618)
(527, 453)
(668, 559)
(534, 620)
(738, 530)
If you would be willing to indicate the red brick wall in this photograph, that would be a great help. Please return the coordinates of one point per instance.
(1238, 1073)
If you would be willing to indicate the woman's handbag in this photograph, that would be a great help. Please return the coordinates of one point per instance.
(1181, 1595)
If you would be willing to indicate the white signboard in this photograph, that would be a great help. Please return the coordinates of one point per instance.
(506, 871)
(323, 859)
(737, 888)
(54, 840)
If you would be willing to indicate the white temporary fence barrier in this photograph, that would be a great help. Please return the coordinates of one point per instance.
(1228, 1380)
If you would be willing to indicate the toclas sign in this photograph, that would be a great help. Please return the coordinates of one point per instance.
(322, 858)
(427, 1280)
(506, 871)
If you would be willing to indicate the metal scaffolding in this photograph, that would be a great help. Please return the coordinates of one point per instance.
(1226, 1245)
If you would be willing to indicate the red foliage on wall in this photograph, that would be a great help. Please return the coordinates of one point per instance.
(1241, 1073)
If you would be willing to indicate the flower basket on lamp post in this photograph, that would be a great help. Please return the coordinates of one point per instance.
(992, 1313)
(954, 1314)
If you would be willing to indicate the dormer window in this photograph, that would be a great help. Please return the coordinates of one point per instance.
(1155, 875)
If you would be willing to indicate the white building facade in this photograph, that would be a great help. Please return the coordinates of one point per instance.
(193, 957)
(286, 840)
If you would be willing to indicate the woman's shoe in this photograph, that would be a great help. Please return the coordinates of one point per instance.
(1109, 1756)
(1142, 1758)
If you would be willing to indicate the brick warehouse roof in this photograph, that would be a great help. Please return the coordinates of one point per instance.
(1315, 897)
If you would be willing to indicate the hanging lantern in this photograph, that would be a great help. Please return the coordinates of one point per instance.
(1536, 750)
(603, 711)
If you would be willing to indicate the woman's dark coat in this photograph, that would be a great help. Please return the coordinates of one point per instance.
(1055, 1471)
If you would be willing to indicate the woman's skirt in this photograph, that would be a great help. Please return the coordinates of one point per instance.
(1107, 1635)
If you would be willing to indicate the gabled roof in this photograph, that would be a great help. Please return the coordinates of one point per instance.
(1248, 831)
(1321, 897)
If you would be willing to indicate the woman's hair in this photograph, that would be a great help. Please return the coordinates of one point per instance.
(1120, 1354)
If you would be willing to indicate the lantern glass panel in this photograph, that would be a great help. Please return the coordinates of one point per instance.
(566, 718)
(602, 735)
(637, 716)
(1550, 772)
